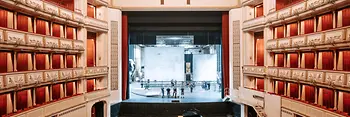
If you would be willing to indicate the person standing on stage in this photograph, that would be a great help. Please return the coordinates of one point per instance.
(191, 87)
(168, 92)
(174, 92)
(162, 92)
(182, 92)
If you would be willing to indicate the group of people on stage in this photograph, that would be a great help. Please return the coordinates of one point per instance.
(168, 92)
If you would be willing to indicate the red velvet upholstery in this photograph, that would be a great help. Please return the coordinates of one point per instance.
(40, 95)
(3, 104)
(91, 49)
(293, 60)
(70, 61)
(280, 4)
(294, 90)
(346, 102)
(280, 60)
(260, 84)
(22, 22)
(309, 26)
(22, 100)
(40, 61)
(280, 32)
(56, 30)
(91, 11)
(56, 92)
(327, 21)
(3, 62)
(309, 93)
(328, 98)
(22, 61)
(41, 27)
(346, 17)
(3, 18)
(90, 85)
(56, 61)
(68, 4)
(259, 10)
(346, 60)
(309, 60)
(280, 87)
(259, 48)
(327, 61)
(69, 88)
(70, 32)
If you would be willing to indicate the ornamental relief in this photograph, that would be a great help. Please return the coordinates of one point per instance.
(284, 73)
(65, 14)
(14, 80)
(298, 42)
(35, 3)
(301, 75)
(78, 45)
(78, 73)
(66, 44)
(283, 43)
(35, 41)
(272, 44)
(272, 17)
(283, 14)
(314, 3)
(35, 78)
(315, 76)
(15, 38)
(65, 74)
(78, 17)
(51, 9)
(335, 78)
(51, 76)
(51, 43)
(1, 82)
(335, 36)
(348, 81)
(272, 71)
(299, 8)
(316, 39)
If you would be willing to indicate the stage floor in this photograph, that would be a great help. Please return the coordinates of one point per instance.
(198, 95)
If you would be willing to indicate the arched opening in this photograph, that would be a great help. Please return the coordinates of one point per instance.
(98, 109)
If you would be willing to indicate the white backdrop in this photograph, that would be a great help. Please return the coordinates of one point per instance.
(164, 63)
(204, 67)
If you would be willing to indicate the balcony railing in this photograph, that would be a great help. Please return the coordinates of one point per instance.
(308, 108)
(19, 79)
(49, 8)
(96, 24)
(301, 9)
(256, 22)
(258, 70)
(338, 37)
(251, 2)
(25, 40)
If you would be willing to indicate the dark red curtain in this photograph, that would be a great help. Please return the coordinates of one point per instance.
(309, 93)
(56, 61)
(56, 91)
(309, 26)
(70, 32)
(294, 90)
(327, 60)
(346, 102)
(280, 60)
(346, 17)
(293, 28)
(280, 32)
(40, 61)
(327, 21)
(3, 104)
(259, 48)
(56, 32)
(90, 85)
(69, 88)
(309, 60)
(41, 27)
(3, 62)
(22, 100)
(260, 84)
(293, 60)
(70, 60)
(22, 22)
(328, 98)
(259, 10)
(22, 61)
(91, 49)
(280, 90)
(91, 11)
(40, 95)
(346, 60)
(3, 18)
